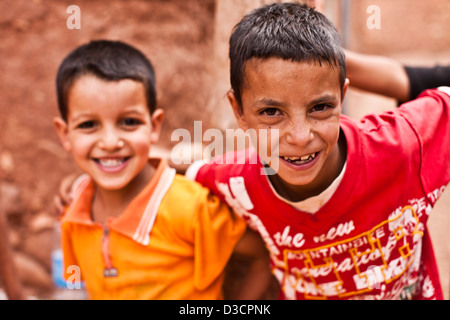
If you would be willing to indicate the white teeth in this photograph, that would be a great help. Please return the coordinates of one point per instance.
(111, 162)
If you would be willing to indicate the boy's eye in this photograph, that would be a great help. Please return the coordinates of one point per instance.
(321, 107)
(271, 112)
(87, 125)
(131, 122)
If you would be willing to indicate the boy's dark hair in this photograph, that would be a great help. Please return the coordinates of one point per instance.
(108, 60)
(289, 31)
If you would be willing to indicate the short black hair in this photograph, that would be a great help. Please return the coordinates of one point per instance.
(108, 60)
(289, 31)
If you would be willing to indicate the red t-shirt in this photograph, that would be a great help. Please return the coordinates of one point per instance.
(370, 240)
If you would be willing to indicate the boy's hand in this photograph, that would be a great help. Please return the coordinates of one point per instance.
(248, 275)
(64, 197)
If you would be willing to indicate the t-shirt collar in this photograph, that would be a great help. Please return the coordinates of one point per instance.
(137, 220)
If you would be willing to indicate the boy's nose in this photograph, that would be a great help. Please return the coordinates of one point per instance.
(299, 134)
(110, 140)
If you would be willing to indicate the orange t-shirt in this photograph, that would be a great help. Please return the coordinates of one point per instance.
(173, 241)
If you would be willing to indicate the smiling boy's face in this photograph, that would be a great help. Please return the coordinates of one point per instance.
(304, 102)
(109, 130)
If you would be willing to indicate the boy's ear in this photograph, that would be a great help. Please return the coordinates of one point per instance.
(237, 109)
(344, 89)
(157, 120)
(62, 131)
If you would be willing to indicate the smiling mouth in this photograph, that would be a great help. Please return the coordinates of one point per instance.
(111, 163)
(301, 160)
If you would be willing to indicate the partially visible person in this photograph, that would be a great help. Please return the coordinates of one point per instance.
(8, 272)
(391, 78)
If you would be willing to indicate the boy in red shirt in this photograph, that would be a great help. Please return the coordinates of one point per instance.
(343, 205)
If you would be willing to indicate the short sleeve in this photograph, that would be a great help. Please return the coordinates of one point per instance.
(221, 168)
(206, 174)
(216, 232)
(429, 116)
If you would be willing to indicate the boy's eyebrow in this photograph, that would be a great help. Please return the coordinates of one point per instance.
(274, 103)
(80, 115)
(132, 110)
(325, 98)
(270, 102)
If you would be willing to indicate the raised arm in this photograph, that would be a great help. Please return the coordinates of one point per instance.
(378, 74)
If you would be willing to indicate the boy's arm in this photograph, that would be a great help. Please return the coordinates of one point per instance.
(388, 77)
(429, 118)
(378, 74)
(248, 275)
(7, 270)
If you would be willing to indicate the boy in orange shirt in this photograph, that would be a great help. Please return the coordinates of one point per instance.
(135, 228)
